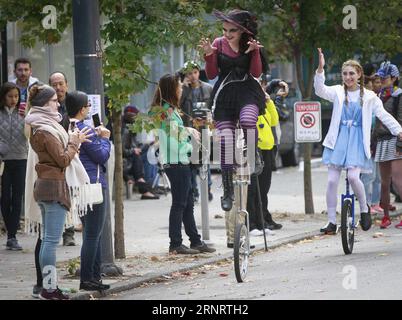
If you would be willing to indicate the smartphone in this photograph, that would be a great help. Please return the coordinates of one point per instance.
(96, 120)
(72, 126)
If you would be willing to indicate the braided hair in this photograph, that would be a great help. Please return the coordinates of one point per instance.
(356, 65)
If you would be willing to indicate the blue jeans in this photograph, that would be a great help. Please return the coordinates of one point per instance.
(92, 223)
(182, 210)
(150, 170)
(53, 219)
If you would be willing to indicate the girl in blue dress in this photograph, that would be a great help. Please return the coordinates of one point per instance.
(347, 144)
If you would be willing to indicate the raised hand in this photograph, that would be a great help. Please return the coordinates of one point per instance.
(321, 61)
(253, 45)
(102, 131)
(206, 45)
(82, 135)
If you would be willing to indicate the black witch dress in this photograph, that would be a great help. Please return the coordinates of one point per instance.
(235, 88)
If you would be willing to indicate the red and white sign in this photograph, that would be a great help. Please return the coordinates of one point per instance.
(307, 116)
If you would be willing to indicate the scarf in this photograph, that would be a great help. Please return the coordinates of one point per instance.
(43, 118)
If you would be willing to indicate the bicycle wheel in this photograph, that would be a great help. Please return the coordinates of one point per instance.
(241, 252)
(347, 227)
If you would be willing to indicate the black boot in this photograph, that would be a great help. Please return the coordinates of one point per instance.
(228, 191)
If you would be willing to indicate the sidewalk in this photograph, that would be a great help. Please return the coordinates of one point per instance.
(147, 242)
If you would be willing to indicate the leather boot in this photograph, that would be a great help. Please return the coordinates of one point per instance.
(228, 191)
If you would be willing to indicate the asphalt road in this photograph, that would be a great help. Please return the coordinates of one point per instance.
(311, 269)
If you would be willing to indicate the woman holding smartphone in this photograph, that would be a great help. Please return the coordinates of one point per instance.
(93, 155)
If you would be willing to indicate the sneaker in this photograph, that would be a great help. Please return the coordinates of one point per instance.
(399, 225)
(53, 295)
(210, 196)
(269, 232)
(12, 244)
(386, 222)
(329, 228)
(376, 209)
(273, 226)
(36, 291)
(183, 250)
(230, 245)
(93, 286)
(203, 248)
(256, 233)
(365, 219)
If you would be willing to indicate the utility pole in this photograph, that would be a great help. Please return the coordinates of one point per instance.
(88, 78)
(4, 53)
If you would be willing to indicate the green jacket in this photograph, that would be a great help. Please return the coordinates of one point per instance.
(174, 140)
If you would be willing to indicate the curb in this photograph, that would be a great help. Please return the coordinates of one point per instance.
(135, 283)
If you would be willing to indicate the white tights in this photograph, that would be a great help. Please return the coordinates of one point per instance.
(332, 188)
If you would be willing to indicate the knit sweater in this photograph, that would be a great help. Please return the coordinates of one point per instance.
(13, 143)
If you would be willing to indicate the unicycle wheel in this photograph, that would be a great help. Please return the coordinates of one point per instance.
(347, 227)
(241, 252)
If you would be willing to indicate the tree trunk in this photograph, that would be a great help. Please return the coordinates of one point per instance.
(120, 251)
(306, 94)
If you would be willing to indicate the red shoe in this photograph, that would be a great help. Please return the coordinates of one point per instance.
(399, 225)
(390, 207)
(386, 222)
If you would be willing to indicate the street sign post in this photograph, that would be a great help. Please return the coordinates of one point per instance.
(307, 119)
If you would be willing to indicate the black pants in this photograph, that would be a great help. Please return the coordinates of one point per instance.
(12, 192)
(182, 210)
(252, 197)
(137, 167)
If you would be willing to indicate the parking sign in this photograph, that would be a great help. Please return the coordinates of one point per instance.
(307, 116)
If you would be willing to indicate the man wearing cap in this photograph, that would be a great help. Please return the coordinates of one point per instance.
(194, 92)
(386, 153)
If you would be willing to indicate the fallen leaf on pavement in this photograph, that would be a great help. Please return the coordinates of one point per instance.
(223, 274)
(378, 235)
(218, 216)
(155, 259)
(306, 241)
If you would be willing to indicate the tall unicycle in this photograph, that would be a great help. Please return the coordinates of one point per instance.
(348, 220)
(241, 246)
